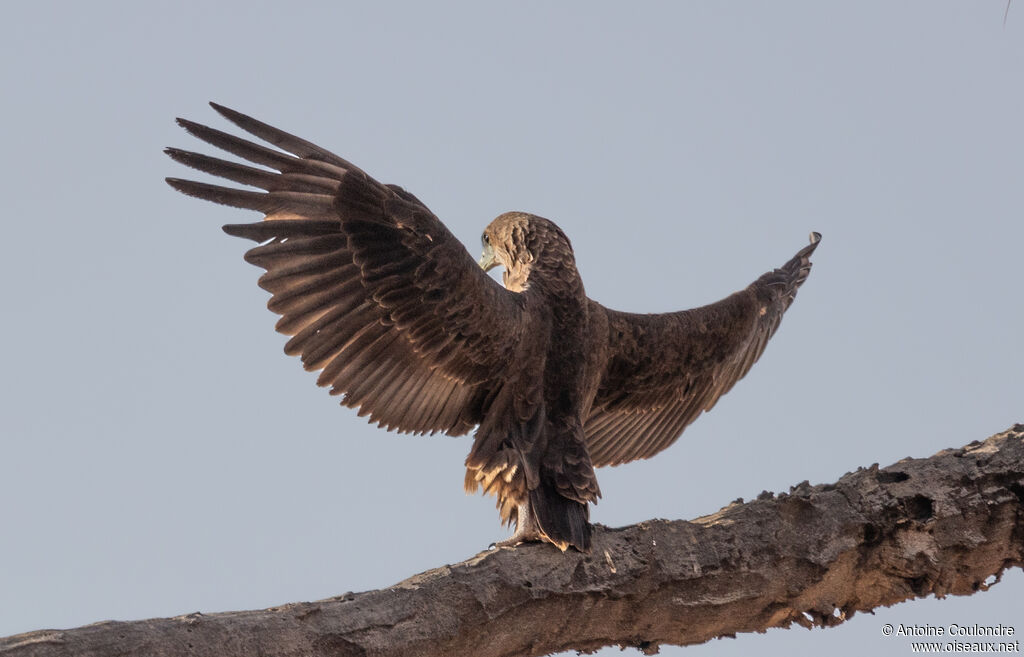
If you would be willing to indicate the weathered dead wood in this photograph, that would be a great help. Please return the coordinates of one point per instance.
(816, 555)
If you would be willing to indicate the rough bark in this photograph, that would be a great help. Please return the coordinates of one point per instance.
(948, 524)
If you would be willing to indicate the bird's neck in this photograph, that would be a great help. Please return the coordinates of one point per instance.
(558, 280)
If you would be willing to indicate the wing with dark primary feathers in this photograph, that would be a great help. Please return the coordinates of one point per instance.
(664, 370)
(372, 287)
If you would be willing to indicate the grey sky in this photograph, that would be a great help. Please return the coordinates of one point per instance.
(160, 455)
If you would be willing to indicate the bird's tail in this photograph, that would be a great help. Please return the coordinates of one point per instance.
(565, 522)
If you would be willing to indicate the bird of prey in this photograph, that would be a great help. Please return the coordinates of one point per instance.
(388, 305)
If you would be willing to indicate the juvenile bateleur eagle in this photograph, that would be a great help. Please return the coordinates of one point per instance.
(399, 319)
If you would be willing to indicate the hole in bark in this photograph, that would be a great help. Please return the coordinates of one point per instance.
(872, 535)
(919, 507)
(798, 511)
(917, 585)
(1017, 490)
(528, 584)
(886, 477)
(336, 644)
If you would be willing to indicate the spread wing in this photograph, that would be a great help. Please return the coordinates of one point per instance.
(372, 287)
(664, 370)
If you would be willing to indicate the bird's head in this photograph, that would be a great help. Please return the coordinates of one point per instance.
(522, 242)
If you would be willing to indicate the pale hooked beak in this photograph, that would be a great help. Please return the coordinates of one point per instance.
(487, 261)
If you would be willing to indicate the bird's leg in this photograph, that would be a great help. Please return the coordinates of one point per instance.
(526, 528)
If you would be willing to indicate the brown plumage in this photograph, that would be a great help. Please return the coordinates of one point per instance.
(380, 297)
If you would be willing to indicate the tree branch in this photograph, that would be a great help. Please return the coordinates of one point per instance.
(947, 524)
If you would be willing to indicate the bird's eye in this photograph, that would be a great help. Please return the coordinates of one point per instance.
(486, 240)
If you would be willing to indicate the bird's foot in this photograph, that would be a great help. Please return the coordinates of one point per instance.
(517, 539)
(527, 531)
